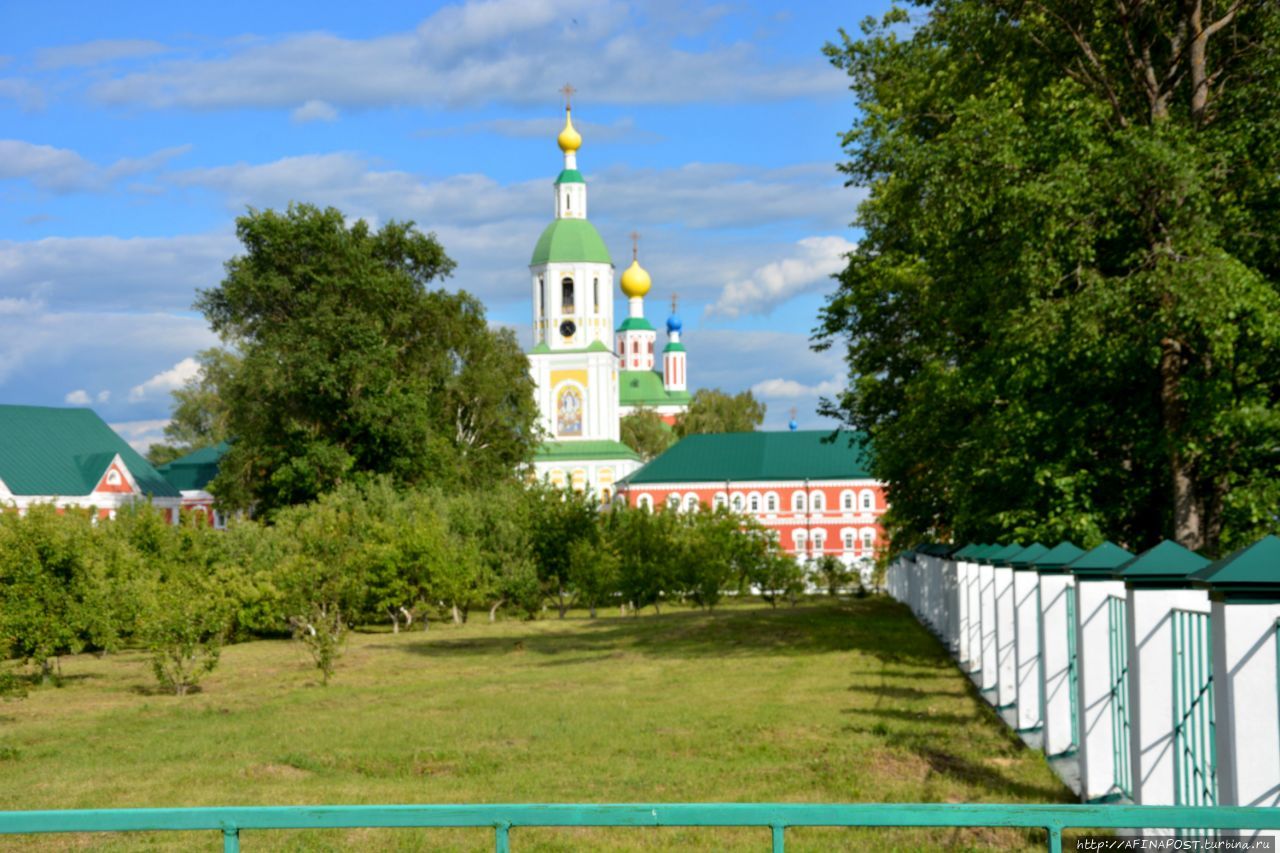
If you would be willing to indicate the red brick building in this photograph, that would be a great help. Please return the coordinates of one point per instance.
(818, 496)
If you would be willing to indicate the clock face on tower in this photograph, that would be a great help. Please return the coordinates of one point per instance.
(567, 328)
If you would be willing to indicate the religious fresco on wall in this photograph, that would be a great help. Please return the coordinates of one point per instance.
(569, 411)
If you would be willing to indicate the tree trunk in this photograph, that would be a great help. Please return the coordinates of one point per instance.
(395, 621)
(457, 614)
(493, 611)
(593, 611)
(1188, 526)
(561, 603)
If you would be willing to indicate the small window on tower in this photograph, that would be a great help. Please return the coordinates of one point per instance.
(542, 297)
(650, 347)
(566, 201)
(595, 294)
(566, 296)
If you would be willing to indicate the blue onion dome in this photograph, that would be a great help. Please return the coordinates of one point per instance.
(674, 323)
(793, 426)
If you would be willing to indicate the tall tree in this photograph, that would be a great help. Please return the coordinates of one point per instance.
(199, 417)
(712, 410)
(645, 432)
(352, 366)
(1063, 317)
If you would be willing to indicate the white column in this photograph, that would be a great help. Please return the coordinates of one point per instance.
(974, 611)
(1026, 600)
(1097, 764)
(962, 613)
(1006, 666)
(1151, 722)
(1247, 709)
(1055, 682)
(987, 597)
(951, 604)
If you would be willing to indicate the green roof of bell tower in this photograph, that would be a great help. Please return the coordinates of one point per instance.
(570, 240)
(570, 176)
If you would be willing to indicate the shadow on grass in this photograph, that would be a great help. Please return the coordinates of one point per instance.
(871, 626)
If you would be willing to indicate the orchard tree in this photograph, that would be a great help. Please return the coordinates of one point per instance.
(1062, 320)
(199, 416)
(712, 410)
(350, 364)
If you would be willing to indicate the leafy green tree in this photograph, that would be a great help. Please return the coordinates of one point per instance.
(645, 432)
(199, 416)
(184, 627)
(712, 410)
(832, 574)
(593, 573)
(559, 518)
(351, 366)
(707, 552)
(778, 576)
(648, 554)
(1062, 319)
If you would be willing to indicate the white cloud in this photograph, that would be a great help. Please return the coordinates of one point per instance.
(104, 396)
(166, 381)
(111, 273)
(314, 110)
(96, 52)
(790, 388)
(78, 397)
(28, 95)
(776, 282)
(62, 170)
(512, 51)
(141, 434)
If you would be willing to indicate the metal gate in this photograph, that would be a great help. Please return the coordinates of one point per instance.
(1118, 642)
(1194, 751)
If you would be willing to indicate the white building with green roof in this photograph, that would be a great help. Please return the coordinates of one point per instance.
(589, 374)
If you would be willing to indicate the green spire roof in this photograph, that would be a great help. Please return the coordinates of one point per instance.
(570, 240)
(635, 324)
(1165, 564)
(746, 456)
(1099, 562)
(1251, 573)
(64, 452)
(1056, 557)
(1024, 558)
(570, 176)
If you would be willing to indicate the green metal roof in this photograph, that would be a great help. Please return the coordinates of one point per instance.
(1164, 565)
(1027, 555)
(1250, 573)
(673, 346)
(1056, 557)
(635, 324)
(745, 456)
(999, 555)
(65, 452)
(1099, 562)
(196, 469)
(570, 240)
(570, 176)
(567, 451)
(645, 388)
(967, 551)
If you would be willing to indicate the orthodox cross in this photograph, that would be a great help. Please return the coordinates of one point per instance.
(675, 298)
(635, 244)
(568, 91)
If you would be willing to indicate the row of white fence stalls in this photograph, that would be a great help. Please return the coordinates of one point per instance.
(1152, 679)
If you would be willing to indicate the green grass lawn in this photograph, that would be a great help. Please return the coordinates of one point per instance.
(848, 702)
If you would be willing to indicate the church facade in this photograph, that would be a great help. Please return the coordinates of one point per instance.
(589, 374)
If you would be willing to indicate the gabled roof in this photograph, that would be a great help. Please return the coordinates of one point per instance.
(1056, 557)
(47, 451)
(1165, 564)
(998, 556)
(1251, 572)
(645, 388)
(196, 469)
(1024, 558)
(967, 551)
(1099, 562)
(745, 456)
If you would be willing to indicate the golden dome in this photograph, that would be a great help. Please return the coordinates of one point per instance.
(570, 140)
(635, 281)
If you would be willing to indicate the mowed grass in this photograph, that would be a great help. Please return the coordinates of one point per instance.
(826, 702)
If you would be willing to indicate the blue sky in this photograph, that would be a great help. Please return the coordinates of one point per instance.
(131, 135)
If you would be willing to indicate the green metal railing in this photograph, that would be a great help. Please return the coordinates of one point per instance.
(1073, 670)
(1118, 642)
(776, 817)
(1194, 751)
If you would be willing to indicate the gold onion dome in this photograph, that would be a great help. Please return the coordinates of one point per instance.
(635, 281)
(569, 139)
